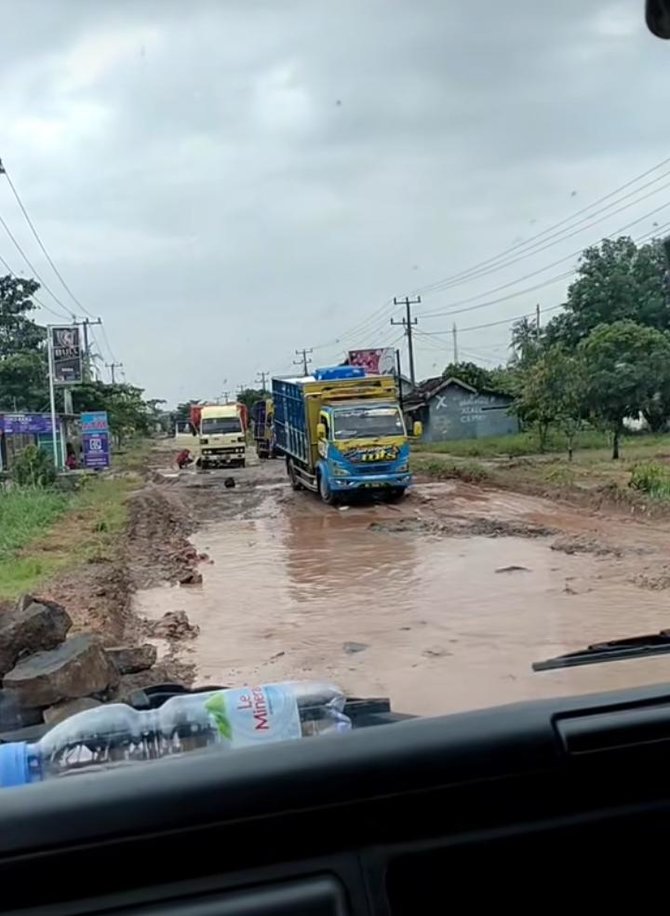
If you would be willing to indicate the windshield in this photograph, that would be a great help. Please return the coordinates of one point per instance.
(217, 425)
(368, 422)
(464, 207)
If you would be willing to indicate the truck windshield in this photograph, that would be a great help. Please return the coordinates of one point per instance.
(368, 422)
(214, 426)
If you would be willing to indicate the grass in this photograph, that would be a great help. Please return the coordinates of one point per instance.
(640, 478)
(44, 532)
(528, 443)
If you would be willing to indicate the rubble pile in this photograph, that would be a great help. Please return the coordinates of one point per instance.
(47, 676)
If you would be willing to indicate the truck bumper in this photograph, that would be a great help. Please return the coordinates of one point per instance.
(369, 481)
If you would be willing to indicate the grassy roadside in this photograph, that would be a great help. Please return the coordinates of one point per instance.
(523, 444)
(637, 480)
(44, 532)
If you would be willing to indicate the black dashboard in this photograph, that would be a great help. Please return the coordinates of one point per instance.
(543, 804)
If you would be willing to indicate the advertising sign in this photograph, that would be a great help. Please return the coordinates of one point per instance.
(95, 439)
(25, 424)
(376, 362)
(66, 355)
(96, 451)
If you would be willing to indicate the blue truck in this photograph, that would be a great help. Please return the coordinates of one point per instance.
(342, 431)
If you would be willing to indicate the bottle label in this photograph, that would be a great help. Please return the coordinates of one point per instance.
(255, 715)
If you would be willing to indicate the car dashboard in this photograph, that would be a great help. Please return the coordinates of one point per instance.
(548, 803)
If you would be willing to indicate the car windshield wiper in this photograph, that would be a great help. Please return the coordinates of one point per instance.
(612, 651)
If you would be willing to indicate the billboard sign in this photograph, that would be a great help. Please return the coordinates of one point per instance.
(25, 424)
(376, 362)
(96, 451)
(66, 355)
(95, 439)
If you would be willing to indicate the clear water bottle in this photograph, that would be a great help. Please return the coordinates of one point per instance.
(114, 733)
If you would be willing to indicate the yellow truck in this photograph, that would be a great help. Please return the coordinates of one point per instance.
(342, 432)
(221, 434)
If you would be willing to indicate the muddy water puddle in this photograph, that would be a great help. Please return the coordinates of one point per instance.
(438, 623)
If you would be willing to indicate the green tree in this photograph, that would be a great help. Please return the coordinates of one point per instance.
(128, 413)
(249, 396)
(628, 366)
(552, 394)
(526, 342)
(470, 373)
(23, 369)
(616, 281)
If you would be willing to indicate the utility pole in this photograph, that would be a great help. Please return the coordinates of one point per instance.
(260, 379)
(304, 360)
(407, 323)
(537, 321)
(112, 368)
(398, 372)
(454, 334)
(85, 323)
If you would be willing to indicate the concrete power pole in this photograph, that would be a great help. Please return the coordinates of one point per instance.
(260, 379)
(85, 323)
(112, 368)
(304, 360)
(454, 334)
(407, 322)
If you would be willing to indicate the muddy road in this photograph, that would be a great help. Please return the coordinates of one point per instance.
(441, 602)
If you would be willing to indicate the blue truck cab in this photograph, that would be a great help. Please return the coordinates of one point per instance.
(342, 431)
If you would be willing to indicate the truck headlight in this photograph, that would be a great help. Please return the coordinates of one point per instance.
(403, 468)
(339, 471)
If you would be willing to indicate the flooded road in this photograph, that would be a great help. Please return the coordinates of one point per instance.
(442, 604)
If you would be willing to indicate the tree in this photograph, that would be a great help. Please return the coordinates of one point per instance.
(616, 281)
(470, 373)
(23, 369)
(526, 341)
(552, 393)
(628, 366)
(128, 413)
(249, 396)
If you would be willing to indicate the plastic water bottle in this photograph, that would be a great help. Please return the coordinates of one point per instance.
(115, 733)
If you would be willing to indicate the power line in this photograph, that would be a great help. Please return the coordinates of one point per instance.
(113, 366)
(3, 170)
(493, 324)
(41, 304)
(566, 220)
(529, 289)
(31, 266)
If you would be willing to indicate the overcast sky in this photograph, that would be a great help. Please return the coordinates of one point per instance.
(227, 183)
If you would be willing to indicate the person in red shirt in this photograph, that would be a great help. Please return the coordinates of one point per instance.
(184, 459)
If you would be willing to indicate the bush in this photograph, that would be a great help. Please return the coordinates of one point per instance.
(33, 468)
(652, 479)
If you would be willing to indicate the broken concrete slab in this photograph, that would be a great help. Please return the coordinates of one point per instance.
(132, 659)
(55, 714)
(32, 626)
(79, 667)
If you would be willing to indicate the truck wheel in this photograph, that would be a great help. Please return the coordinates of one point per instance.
(293, 477)
(325, 492)
(243, 463)
(394, 495)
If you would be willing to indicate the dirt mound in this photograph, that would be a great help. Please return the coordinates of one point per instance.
(157, 543)
(585, 543)
(173, 625)
(463, 526)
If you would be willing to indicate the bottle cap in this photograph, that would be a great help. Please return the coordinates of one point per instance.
(14, 764)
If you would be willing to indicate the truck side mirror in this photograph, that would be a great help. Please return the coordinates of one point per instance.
(417, 429)
(320, 430)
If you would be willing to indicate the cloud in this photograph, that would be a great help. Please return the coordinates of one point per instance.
(226, 183)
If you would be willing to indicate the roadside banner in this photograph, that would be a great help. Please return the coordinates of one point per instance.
(95, 439)
(377, 362)
(66, 355)
(25, 424)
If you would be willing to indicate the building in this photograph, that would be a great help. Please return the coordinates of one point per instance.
(451, 409)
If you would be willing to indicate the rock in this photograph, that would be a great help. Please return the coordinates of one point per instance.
(31, 627)
(172, 625)
(229, 483)
(79, 667)
(67, 708)
(506, 569)
(132, 659)
(351, 647)
(191, 577)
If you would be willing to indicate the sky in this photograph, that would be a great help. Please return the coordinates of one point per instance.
(227, 182)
